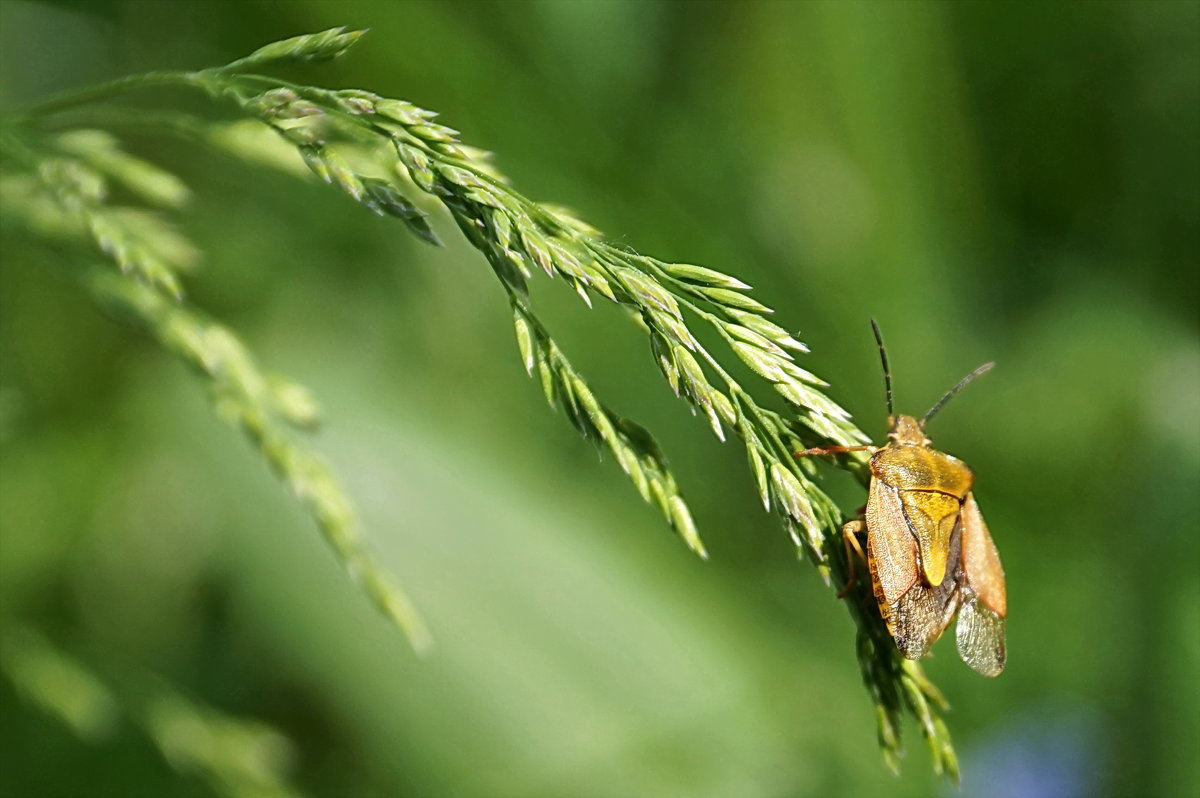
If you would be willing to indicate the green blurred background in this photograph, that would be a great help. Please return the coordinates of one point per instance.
(1017, 182)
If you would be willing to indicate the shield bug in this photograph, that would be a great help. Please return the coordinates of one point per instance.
(928, 549)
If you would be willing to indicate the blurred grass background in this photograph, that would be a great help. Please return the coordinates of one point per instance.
(1007, 181)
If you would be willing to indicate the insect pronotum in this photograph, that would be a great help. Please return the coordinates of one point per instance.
(928, 549)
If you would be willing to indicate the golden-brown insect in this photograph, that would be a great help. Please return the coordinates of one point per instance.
(928, 548)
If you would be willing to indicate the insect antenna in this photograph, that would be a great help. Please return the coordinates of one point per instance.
(887, 372)
(985, 368)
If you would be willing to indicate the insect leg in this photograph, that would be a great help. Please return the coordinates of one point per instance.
(835, 450)
(850, 533)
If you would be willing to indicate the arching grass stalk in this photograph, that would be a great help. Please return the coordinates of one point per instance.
(409, 153)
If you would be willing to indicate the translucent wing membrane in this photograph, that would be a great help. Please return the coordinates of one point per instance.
(980, 634)
(980, 629)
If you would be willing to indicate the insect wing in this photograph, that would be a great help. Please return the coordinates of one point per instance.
(981, 561)
(916, 613)
(980, 636)
(919, 617)
(891, 548)
(980, 628)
